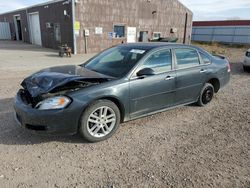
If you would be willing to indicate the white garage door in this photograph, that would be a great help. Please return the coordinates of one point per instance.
(5, 31)
(35, 29)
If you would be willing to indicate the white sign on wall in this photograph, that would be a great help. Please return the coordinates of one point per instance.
(98, 30)
(86, 33)
(131, 34)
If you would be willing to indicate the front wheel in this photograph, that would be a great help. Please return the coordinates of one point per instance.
(206, 95)
(99, 121)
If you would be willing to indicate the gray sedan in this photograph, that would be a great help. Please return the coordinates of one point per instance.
(122, 83)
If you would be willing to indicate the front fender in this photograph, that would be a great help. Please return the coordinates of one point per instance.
(118, 93)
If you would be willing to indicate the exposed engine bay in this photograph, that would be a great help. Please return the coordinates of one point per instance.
(44, 85)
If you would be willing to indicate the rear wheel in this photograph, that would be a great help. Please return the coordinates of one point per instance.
(206, 95)
(99, 121)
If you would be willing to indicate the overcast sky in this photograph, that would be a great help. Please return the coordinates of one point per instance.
(219, 9)
(203, 10)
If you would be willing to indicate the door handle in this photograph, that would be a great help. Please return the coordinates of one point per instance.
(203, 71)
(169, 78)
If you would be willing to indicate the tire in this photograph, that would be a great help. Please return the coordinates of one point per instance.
(95, 127)
(206, 95)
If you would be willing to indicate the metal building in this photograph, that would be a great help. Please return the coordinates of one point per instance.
(230, 31)
(93, 25)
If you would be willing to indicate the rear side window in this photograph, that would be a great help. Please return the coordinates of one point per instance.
(186, 58)
(160, 61)
(205, 58)
(248, 54)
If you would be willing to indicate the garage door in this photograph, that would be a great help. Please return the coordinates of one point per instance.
(5, 31)
(35, 29)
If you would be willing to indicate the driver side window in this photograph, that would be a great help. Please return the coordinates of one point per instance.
(160, 61)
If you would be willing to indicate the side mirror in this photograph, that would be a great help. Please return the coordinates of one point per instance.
(145, 72)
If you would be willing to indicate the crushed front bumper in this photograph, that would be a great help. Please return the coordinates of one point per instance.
(51, 122)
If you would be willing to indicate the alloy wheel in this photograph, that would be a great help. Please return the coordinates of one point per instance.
(101, 121)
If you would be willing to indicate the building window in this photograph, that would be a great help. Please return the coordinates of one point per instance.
(119, 31)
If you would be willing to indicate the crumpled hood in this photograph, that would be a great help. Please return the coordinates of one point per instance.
(47, 80)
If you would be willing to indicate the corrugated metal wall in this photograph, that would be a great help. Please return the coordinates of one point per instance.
(5, 31)
(225, 34)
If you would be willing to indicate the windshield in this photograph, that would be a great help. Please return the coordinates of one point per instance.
(116, 62)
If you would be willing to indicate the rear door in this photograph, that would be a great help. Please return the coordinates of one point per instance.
(190, 75)
(155, 92)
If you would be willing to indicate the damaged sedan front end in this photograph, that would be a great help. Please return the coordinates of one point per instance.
(58, 81)
(45, 94)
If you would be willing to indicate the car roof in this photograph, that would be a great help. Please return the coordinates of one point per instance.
(152, 45)
(248, 50)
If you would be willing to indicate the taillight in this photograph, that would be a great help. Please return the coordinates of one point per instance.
(228, 67)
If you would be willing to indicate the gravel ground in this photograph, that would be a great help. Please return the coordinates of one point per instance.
(185, 147)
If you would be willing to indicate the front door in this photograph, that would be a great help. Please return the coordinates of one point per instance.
(18, 27)
(190, 78)
(152, 93)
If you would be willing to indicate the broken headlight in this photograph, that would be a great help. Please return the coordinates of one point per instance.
(54, 103)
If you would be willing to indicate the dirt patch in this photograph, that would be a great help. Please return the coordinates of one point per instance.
(233, 53)
(185, 147)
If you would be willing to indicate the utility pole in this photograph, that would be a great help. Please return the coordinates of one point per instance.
(73, 21)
